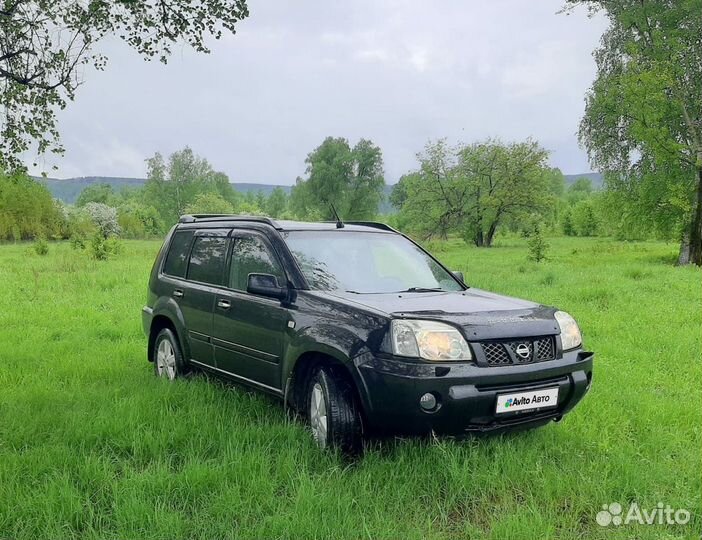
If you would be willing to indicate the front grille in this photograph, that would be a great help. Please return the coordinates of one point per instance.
(496, 354)
(524, 351)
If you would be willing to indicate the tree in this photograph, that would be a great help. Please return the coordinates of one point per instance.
(583, 218)
(209, 203)
(138, 220)
(567, 223)
(172, 187)
(277, 203)
(44, 44)
(643, 117)
(27, 210)
(100, 193)
(474, 189)
(104, 218)
(350, 179)
(398, 195)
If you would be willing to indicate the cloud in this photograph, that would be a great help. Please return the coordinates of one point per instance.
(396, 72)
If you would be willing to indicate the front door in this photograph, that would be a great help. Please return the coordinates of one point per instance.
(249, 330)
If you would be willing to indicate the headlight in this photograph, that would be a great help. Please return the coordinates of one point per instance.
(570, 333)
(430, 340)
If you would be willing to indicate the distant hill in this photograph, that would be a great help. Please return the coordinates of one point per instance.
(67, 190)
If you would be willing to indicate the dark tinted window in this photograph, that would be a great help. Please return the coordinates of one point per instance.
(207, 259)
(177, 258)
(251, 255)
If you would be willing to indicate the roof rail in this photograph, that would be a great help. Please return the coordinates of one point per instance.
(196, 218)
(373, 224)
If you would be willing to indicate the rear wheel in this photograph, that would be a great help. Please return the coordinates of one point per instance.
(168, 360)
(332, 411)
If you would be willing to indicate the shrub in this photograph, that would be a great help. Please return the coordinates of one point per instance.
(209, 203)
(102, 248)
(27, 210)
(567, 224)
(538, 247)
(113, 246)
(98, 251)
(139, 221)
(585, 222)
(41, 246)
(77, 241)
(104, 217)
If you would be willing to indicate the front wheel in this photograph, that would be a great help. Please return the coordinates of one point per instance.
(168, 360)
(332, 411)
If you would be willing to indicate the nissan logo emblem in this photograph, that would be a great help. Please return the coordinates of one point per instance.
(523, 350)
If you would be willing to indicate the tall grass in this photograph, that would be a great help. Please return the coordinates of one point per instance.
(92, 445)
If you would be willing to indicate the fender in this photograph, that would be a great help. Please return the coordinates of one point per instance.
(167, 307)
(333, 340)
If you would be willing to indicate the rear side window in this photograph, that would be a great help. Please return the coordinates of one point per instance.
(207, 259)
(177, 258)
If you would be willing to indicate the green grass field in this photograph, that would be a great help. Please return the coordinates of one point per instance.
(92, 445)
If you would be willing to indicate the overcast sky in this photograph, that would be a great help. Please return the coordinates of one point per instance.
(396, 72)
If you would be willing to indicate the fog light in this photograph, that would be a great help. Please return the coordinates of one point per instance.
(428, 402)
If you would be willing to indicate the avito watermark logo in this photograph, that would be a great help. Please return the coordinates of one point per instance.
(613, 514)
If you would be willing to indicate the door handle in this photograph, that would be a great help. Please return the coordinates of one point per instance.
(178, 293)
(224, 304)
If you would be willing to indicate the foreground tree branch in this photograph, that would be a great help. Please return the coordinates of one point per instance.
(44, 44)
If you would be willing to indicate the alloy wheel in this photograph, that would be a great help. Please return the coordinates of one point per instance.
(318, 415)
(166, 360)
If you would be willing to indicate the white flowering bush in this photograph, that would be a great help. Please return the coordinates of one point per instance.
(104, 217)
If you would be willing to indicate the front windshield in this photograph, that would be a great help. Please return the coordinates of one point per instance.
(365, 262)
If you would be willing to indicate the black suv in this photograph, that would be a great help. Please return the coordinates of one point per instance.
(358, 328)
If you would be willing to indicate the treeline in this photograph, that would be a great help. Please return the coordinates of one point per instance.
(476, 191)
(349, 178)
(482, 189)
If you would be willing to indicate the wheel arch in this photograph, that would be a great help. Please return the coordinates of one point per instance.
(303, 369)
(158, 323)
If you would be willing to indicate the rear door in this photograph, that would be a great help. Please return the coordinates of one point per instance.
(195, 285)
(250, 331)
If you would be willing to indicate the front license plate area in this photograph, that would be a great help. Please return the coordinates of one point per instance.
(527, 401)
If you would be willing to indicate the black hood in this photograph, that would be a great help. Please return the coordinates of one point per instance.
(482, 314)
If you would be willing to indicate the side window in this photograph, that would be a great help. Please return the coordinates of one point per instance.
(177, 257)
(207, 259)
(251, 255)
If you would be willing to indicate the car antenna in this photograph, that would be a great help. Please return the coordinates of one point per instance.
(339, 223)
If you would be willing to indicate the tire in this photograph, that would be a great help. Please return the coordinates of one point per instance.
(168, 359)
(332, 411)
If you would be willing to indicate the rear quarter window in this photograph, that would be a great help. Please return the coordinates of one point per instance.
(177, 257)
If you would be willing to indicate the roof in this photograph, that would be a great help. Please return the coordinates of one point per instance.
(285, 225)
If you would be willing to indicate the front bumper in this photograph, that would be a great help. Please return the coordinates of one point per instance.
(466, 393)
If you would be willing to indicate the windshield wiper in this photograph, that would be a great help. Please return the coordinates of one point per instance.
(423, 289)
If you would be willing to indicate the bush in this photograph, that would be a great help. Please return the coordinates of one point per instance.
(209, 203)
(102, 248)
(567, 224)
(538, 247)
(27, 210)
(77, 241)
(98, 251)
(104, 217)
(139, 221)
(585, 222)
(41, 246)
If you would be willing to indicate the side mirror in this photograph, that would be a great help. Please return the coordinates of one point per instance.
(266, 285)
(458, 275)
